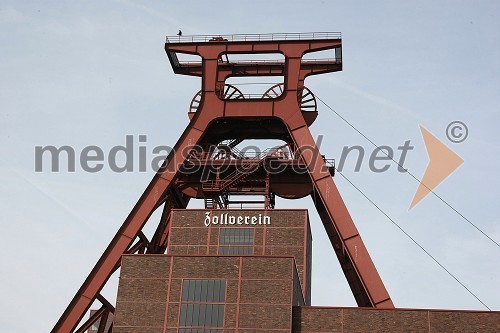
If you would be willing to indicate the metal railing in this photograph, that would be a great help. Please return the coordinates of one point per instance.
(254, 37)
(263, 62)
(284, 152)
(330, 164)
(281, 152)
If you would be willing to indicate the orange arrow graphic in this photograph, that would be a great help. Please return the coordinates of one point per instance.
(442, 162)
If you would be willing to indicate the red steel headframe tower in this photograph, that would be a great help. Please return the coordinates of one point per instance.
(221, 116)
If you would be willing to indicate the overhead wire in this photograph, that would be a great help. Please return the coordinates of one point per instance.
(395, 223)
(412, 175)
(413, 239)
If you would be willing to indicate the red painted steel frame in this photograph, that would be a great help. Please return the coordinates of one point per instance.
(363, 278)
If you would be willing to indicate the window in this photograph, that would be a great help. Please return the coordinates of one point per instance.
(236, 241)
(198, 330)
(202, 307)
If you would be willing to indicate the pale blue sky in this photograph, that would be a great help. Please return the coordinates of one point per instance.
(90, 73)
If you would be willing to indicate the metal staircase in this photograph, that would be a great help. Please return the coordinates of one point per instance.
(243, 170)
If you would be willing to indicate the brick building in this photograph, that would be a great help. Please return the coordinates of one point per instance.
(249, 271)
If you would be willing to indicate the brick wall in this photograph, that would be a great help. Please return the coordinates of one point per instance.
(359, 320)
(259, 294)
(287, 235)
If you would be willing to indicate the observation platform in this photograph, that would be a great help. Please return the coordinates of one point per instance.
(255, 43)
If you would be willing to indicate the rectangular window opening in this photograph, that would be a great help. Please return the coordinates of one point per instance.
(202, 308)
(236, 241)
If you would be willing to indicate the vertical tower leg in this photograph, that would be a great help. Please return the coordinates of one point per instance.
(267, 195)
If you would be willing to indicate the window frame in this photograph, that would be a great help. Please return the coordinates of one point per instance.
(239, 245)
(202, 300)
